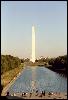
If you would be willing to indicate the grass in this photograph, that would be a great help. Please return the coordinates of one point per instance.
(8, 76)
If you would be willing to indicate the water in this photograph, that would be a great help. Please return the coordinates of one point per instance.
(41, 78)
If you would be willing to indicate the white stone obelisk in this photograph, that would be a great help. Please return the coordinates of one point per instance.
(33, 44)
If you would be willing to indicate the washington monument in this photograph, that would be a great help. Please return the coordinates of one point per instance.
(33, 44)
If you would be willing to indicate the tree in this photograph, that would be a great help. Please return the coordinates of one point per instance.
(9, 62)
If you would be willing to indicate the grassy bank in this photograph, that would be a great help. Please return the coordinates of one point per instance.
(8, 76)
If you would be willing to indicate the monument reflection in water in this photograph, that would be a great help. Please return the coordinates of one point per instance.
(33, 83)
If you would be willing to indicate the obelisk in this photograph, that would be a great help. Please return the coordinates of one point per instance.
(33, 44)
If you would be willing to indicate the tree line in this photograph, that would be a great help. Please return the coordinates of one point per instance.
(58, 63)
(9, 62)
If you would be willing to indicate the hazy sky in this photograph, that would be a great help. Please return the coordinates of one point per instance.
(49, 19)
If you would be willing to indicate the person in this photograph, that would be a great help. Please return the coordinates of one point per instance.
(30, 94)
(49, 93)
(1, 88)
(22, 94)
(43, 93)
(7, 94)
(25, 94)
(37, 92)
(40, 95)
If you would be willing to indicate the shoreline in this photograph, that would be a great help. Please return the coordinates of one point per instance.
(11, 82)
(59, 71)
(34, 95)
(47, 95)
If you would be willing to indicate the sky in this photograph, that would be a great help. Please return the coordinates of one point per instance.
(49, 19)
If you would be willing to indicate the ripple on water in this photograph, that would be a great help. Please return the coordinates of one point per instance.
(44, 78)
